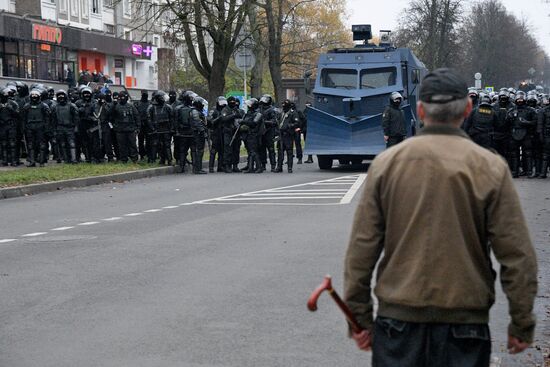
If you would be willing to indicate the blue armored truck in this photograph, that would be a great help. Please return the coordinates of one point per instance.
(352, 89)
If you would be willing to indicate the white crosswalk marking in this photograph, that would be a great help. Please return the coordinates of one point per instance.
(7, 240)
(334, 191)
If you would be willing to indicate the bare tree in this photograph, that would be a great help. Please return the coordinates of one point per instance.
(430, 28)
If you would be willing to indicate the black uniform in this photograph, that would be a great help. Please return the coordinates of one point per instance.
(143, 138)
(102, 115)
(543, 129)
(298, 135)
(231, 116)
(288, 122)
(250, 134)
(160, 126)
(216, 137)
(36, 120)
(88, 130)
(65, 119)
(393, 123)
(184, 133)
(9, 118)
(480, 125)
(125, 119)
(501, 132)
(198, 127)
(271, 133)
(522, 121)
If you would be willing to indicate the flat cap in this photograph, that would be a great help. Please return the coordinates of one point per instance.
(442, 86)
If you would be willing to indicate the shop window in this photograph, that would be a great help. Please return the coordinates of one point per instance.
(156, 41)
(95, 6)
(128, 35)
(109, 28)
(63, 6)
(11, 47)
(85, 8)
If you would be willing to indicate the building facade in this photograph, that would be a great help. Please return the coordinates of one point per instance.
(60, 39)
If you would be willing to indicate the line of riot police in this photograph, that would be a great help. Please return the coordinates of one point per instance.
(516, 125)
(101, 125)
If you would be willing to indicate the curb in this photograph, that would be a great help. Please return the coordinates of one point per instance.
(17, 191)
(33, 189)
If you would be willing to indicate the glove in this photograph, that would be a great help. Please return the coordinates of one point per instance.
(244, 128)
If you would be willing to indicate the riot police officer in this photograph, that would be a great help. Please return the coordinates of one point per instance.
(65, 116)
(393, 121)
(36, 119)
(473, 94)
(143, 138)
(267, 141)
(304, 129)
(9, 117)
(102, 115)
(533, 102)
(198, 126)
(125, 119)
(288, 122)
(543, 130)
(216, 134)
(522, 121)
(184, 133)
(231, 116)
(87, 131)
(250, 134)
(160, 126)
(502, 133)
(298, 134)
(481, 122)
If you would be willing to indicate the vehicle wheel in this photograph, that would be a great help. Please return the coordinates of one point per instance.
(324, 162)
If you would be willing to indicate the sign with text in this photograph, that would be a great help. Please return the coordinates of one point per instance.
(141, 50)
(46, 33)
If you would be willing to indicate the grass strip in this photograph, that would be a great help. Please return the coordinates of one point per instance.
(59, 172)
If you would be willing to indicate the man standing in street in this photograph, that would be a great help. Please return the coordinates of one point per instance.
(436, 206)
(393, 121)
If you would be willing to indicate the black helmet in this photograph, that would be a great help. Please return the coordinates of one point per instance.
(221, 102)
(287, 104)
(252, 104)
(520, 98)
(144, 95)
(6, 92)
(396, 98)
(231, 101)
(198, 103)
(187, 97)
(35, 95)
(61, 96)
(159, 96)
(266, 100)
(485, 99)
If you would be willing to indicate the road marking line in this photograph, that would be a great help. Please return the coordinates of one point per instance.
(311, 190)
(8, 240)
(251, 198)
(353, 190)
(62, 228)
(112, 219)
(34, 234)
(133, 214)
(152, 210)
(87, 223)
(170, 207)
(291, 194)
(272, 204)
(330, 183)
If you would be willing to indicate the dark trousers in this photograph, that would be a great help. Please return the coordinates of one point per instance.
(36, 143)
(67, 146)
(394, 140)
(107, 143)
(8, 137)
(127, 146)
(408, 344)
(298, 144)
(185, 143)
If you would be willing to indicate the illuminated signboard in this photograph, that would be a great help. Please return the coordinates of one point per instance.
(141, 51)
(46, 33)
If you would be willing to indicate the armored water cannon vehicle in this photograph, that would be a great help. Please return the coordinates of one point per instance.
(352, 88)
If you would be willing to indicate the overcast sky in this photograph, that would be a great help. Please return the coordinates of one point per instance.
(384, 14)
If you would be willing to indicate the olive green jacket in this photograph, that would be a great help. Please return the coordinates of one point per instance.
(433, 209)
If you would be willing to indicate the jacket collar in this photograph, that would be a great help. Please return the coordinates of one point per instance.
(443, 129)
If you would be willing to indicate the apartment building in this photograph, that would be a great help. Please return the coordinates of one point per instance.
(57, 39)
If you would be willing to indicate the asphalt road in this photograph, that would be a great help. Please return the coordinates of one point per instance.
(187, 270)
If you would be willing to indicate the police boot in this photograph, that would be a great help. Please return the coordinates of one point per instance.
(299, 161)
(211, 162)
(197, 163)
(236, 168)
(515, 167)
(529, 164)
(249, 165)
(259, 166)
(227, 169)
(538, 167)
(309, 159)
(289, 166)
(30, 157)
(544, 168)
